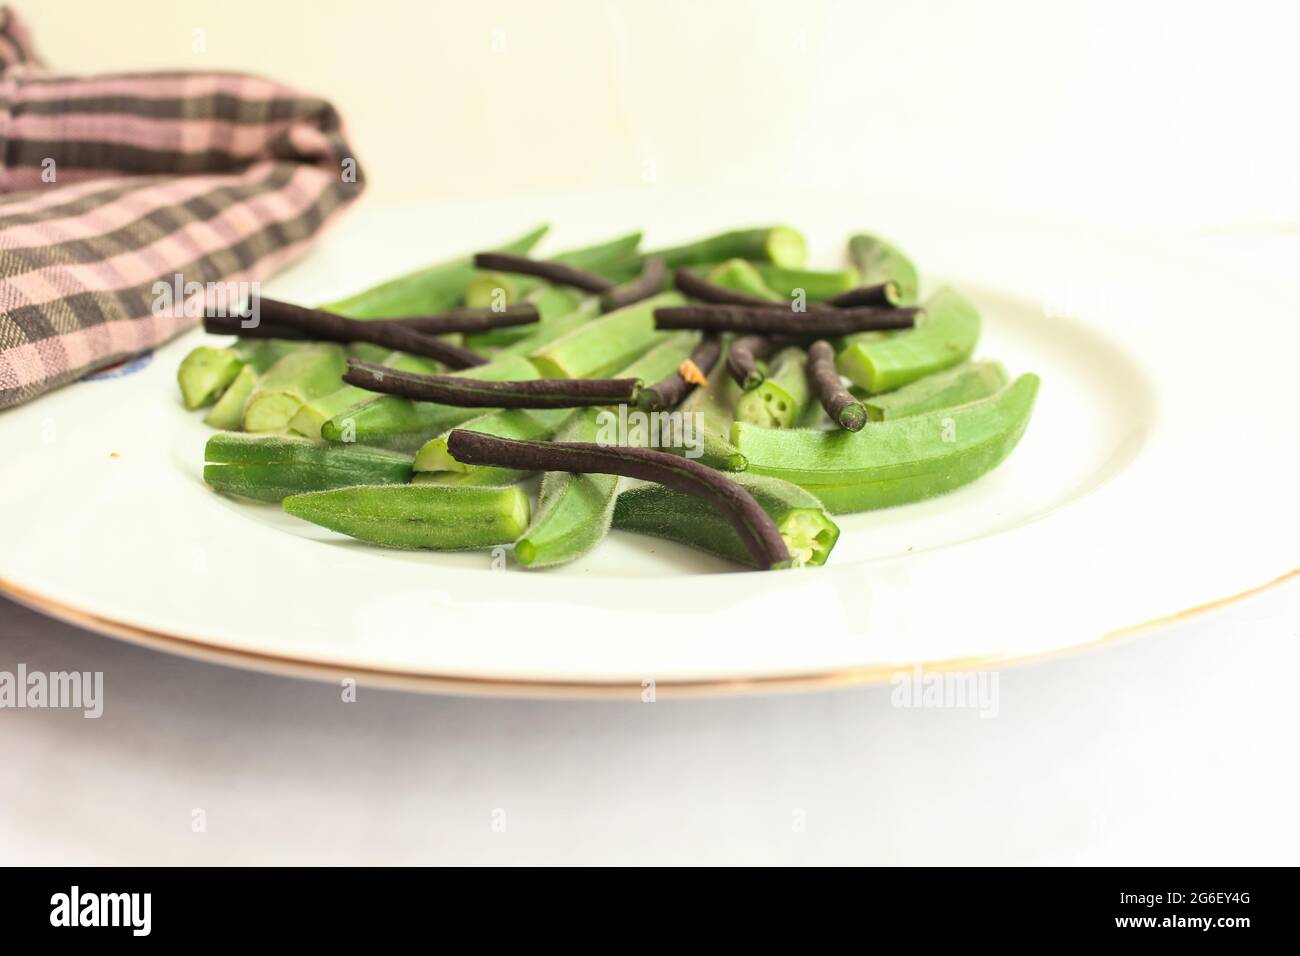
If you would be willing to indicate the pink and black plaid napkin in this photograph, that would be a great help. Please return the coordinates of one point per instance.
(109, 184)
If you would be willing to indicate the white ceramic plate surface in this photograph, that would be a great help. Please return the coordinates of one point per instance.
(1157, 476)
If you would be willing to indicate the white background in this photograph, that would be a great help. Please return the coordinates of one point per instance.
(1178, 747)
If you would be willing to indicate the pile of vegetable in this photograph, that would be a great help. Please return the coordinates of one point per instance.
(414, 414)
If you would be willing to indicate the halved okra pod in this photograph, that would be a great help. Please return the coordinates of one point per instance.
(270, 467)
(604, 344)
(808, 531)
(895, 462)
(957, 386)
(945, 335)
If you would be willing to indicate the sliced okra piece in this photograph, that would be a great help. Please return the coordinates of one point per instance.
(781, 399)
(945, 335)
(957, 386)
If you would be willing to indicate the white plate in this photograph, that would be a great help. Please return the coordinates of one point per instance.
(1156, 477)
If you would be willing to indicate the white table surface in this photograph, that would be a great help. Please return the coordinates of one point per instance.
(1177, 747)
(1174, 747)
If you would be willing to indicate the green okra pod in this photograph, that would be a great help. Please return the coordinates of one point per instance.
(808, 531)
(895, 461)
(270, 467)
(878, 262)
(781, 399)
(426, 291)
(957, 386)
(426, 516)
(781, 245)
(609, 259)
(606, 343)
(945, 335)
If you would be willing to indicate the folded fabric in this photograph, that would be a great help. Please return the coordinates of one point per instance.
(110, 184)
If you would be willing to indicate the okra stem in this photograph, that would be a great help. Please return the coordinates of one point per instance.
(778, 320)
(877, 262)
(337, 328)
(672, 390)
(609, 259)
(839, 403)
(757, 531)
(557, 272)
(956, 386)
(649, 282)
(883, 293)
(477, 393)
(688, 283)
(392, 421)
(742, 359)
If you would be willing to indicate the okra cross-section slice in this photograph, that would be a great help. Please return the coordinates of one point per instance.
(270, 467)
(780, 400)
(968, 382)
(945, 335)
(808, 531)
(895, 461)
(228, 411)
(204, 374)
(292, 381)
(435, 517)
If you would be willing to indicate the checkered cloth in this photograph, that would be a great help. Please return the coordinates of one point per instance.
(111, 183)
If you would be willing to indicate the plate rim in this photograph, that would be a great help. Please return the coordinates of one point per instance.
(458, 685)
